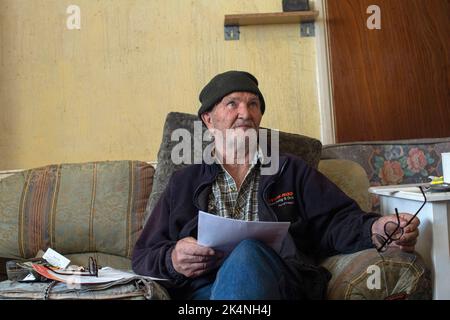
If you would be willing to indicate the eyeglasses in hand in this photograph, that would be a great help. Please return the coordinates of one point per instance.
(392, 230)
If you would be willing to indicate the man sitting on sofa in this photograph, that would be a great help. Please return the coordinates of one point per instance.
(324, 220)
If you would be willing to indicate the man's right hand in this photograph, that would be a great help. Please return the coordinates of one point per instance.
(193, 260)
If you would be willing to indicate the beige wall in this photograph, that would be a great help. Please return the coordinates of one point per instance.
(102, 92)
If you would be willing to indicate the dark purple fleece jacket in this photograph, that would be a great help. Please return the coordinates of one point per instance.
(324, 222)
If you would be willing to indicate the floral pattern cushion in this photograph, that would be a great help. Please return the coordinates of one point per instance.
(396, 164)
(393, 162)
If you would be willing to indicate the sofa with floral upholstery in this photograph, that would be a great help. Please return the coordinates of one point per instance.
(99, 208)
(392, 162)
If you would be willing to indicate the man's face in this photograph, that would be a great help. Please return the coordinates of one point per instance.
(238, 110)
(234, 123)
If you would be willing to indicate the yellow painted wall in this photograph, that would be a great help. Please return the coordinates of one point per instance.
(102, 92)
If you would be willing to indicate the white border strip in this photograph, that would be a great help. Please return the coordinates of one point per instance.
(327, 128)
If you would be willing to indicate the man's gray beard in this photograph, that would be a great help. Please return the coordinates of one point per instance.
(237, 148)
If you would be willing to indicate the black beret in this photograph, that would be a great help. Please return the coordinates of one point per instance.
(226, 83)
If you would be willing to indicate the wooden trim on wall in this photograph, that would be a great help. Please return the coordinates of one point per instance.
(325, 93)
(248, 19)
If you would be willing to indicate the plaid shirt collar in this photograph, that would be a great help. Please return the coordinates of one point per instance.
(227, 201)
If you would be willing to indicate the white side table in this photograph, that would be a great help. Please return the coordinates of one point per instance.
(434, 230)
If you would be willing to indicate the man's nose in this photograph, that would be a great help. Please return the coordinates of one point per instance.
(243, 110)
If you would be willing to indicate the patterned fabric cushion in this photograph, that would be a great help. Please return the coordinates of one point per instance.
(393, 162)
(400, 275)
(74, 208)
(309, 149)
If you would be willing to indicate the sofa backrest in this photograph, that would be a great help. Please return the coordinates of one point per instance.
(393, 162)
(74, 208)
(309, 149)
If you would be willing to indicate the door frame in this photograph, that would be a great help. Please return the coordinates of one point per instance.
(324, 87)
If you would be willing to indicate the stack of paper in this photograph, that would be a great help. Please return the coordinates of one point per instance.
(224, 234)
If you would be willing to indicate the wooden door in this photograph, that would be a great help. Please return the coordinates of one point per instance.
(393, 82)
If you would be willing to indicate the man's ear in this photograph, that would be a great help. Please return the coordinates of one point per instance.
(206, 117)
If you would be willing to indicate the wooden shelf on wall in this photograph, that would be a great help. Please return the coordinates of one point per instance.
(248, 19)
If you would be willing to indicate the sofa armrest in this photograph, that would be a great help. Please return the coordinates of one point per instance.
(368, 275)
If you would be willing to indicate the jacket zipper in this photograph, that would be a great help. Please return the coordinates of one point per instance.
(201, 186)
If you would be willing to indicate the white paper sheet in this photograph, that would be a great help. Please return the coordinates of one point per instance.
(56, 259)
(224, 234)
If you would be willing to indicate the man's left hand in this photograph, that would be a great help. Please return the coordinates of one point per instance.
(409, 238)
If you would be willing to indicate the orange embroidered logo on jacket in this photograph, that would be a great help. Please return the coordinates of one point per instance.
(283, 199)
